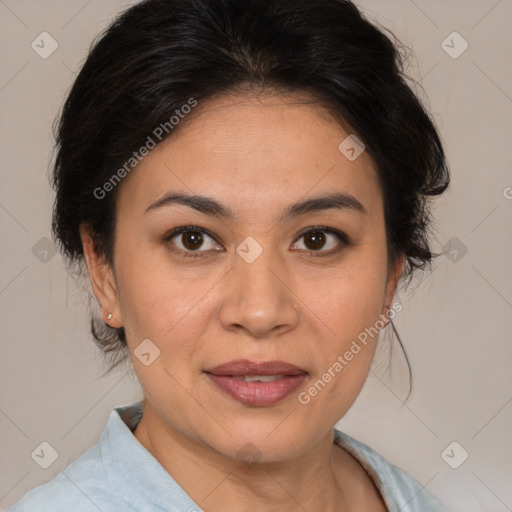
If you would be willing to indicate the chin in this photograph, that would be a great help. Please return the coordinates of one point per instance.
(252, 440)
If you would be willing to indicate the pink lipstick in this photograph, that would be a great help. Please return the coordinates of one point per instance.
(257, 384)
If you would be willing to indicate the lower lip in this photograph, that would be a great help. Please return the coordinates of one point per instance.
(258, 393)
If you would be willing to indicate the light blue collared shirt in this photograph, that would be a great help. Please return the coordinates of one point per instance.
(119, 475)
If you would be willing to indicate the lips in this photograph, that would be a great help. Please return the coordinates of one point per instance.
(243, 367)
(257, 384)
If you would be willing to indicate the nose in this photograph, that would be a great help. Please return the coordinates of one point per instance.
(259, 298)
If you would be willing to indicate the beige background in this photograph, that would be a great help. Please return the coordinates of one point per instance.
(455, 323)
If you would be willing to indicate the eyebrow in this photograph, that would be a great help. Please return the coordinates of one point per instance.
(209, 206)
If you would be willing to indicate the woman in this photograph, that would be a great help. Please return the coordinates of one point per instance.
(247, 182)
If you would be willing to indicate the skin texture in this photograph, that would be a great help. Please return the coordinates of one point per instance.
(256, 155)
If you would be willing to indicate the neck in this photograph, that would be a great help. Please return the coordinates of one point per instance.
(218, 483)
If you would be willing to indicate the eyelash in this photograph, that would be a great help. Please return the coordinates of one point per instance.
(342, 237)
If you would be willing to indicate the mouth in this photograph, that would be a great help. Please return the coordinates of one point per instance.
(257, 384)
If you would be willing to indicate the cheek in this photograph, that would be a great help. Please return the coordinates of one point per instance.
(350, 310)
(163, 304)
(343, 365)
(351, 299)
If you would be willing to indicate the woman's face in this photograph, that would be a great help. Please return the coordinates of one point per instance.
(255, 286)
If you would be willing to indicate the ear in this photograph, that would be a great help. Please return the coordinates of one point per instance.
(393, 278)
(102, 279)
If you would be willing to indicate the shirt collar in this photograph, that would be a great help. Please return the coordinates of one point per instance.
(134, 468)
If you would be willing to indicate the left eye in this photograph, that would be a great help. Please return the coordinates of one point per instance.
(322, 238)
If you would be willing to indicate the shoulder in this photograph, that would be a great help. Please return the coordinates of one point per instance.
(399, 490)
(96, 481)
(83, 486)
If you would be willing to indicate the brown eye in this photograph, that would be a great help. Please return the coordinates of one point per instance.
(192, 240)
(314, 240)
(324, 241)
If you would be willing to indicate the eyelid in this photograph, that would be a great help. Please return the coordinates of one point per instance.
(344, 239)
(183, 229)
(340, 234)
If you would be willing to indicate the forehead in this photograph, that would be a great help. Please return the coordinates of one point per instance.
(255, 150)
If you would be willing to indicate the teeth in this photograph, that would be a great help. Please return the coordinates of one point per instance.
(261, 378)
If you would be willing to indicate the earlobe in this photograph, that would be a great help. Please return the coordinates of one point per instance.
(102, 279)
(393, 279)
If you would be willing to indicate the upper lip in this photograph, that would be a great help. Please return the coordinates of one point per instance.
(241, 367)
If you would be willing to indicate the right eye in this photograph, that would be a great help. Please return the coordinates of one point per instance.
(191, 239)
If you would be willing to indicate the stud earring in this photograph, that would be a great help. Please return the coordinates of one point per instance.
(109, 316)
